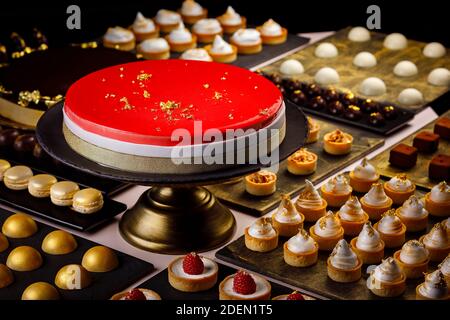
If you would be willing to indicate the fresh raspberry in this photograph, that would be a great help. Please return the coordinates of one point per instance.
(135, 294)
(193, 264)
(295, 296)
(243, 283)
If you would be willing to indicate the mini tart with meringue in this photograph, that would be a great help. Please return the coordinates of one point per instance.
(197, 54)
(144, 28)
(336, 191)
(301, 250)
(206, 30)
(368, 245)
(192, 273)
(437, 242)
(437, 201)
(192, 11)
(167, 20)
(313, 130)
(327, 231)
(154, 49)
(444, 267)
(363, 176)
(244, 286)
(412, 259)
(391, 229)
(119, 38)
(261, 236)
(222, 51)
(144, 294)
(343, 265)
(310, 203)
(352, 217)
(399, 189)
(272, 33)
(337, 142)
(287, 220)
(387, 279)
(181, 39)
(376, 202)
(413, 214)
(261, 183)
(434, 288)
(231, 21)
(302, 162)
(247, 41)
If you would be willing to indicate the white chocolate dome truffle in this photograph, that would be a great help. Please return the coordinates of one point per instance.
(326, 50)
(439, 77)
(405, 68)
(395, 41)
(365, 59)
(434, 50)
(291, 67)
(359, 34)
(410, 97)
(372, 87)
(326, 76)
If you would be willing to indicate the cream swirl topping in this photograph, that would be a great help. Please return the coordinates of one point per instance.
(413, 208)
(390, 223)
(191, 8)
(207, 26)
(365, 171)
(247, 36)
(338, 185)
(400, 183)
(351, 210)
(309, 198)
(301, 243)
(180, 34)
(368, 239)
(413, 252)
(286, 212)
(198, 54)
(435, 286)
(231, 17)
(221, 46)
(440, 193)
(445, 266)
(328, 226)
(142, 24)
(154, 45)
(271, 28)
(387, 271)
(262, 229)
(376, 196)
(118, 35)
(437, 237)
(343, 256)
(164, 16)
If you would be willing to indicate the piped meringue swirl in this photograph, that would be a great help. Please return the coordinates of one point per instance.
(445, 266)
(207, 26)
(142, 24)
(164, 16)
(351, 210)
(343, 256)
(387, 271)
(413, 208)
(310, 197)
(365, 171)
(440, 193)
(435, 286)
(247, 36)
(437, 237)
(413, 252)
(220, 46)
(328, 226)
(301, 243)
(376, 196)
(271, 28)
(369, 239)
(191, 8)
(400, 183)
(390, 223)
(231, 17)
(262, 229)
(338, 185)
(118, 35)
(286, 212)
(180, 34)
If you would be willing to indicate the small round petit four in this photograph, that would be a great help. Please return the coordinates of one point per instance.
(87, 201)
(61, 193)
(365, 60)
(206, 30)
(399, 188)
(198, 54)
(363, 176)
(244, 286)
(24, 258)
(444, 267)
(137, 294)
(181, 39)
(437, 201)
(412, 259)
(192, 273)
(25, 143)
(119, 38)
(291, 67)
(376, 202)
(7, 137)
(248, 41)
(434, 50)
(437, 242)
(19, 226)
(40, 184)
(326, 76)
(391, 229)
(387, 279)
(359, 34)
(410, 97)
(40, 291)
(287, 220)
(231, 21)
(327, 231)
(434, 288)
(167, 20)
(395, 41)
(372, 86)
(59, 242)
(261, 183)
(313, 130)
(4, 243)
(310, 203)
(439, 77)
(292, 296)
(368, 245)
(261, 236)
(144, 28)
(100, 259)
(154, 49)
(222, 51)
(301, 250)
(413, 214)
(4, 165)
(336, 191)
(191, 11)
(17, 177)
(6, 276)
(352, 217)
(343, 265)
(337, 142)
(272, 32)
(326, 50)
(72, 277)
(302, 162)
(405, 68)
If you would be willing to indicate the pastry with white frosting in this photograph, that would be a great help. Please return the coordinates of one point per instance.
(222, 51)
(206, 30)
(144, 28)
(376, 202)
(439, 77)
(302, 162)
(434, 288)
(392, 230)
(395, 41)
(286, 219)
(232, 21)
(399, 188)
(365, 60)
(326, 76)
(198, 54)
(261, 236)
(372, 86)
(181, 39)
(167, 20)
(248, 41)
(310, 203)
(326, 50)
(405, 69)
(157, 48)
(352, 217)
(410, 97)
(444, 267)
(363, 176)
(437, 242)
(337, 142)
(119, 38)
(327, 231)
(292, 67)
(261, 183)
(387, 279)
(413, 259)
(368, 245)
(437, 201)
(301, 250)
(343, 265)
(272, 33)
(434, 50)
(413, 214)
(359, 34)
(336, 191)
(191, 11)
(244, 286)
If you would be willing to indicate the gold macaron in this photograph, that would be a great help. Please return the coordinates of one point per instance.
(40, 291)
(59, 242)
(87, 201)
(61, 193)
(6, 276)
(72, 277)
(24, 258)
(19, 226)
(4, 165)
(39, 185)
(17, 177)
(100, 259)
(4, 243)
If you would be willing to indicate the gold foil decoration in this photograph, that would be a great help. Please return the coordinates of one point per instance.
(27, 97)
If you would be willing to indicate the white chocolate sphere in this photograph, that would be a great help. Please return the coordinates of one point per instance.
(410, 97)
(405, 68)
(395, 41)
(439, 77)
(372, 87)
(434, 50)
(365, 59)
(359, 34)
(326, 50)
(326, 76)
(291, 67)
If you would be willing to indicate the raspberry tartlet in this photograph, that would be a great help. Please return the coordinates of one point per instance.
(136, 294)
(244, 286)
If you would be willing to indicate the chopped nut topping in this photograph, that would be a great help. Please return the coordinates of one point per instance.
(338, 136)
(262, 176)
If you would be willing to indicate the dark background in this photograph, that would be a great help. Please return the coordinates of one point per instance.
(424, 20)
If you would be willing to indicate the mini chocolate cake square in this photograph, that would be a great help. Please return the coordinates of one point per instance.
(439, 168)
(442, 128)
(403, 156)
(426, 141)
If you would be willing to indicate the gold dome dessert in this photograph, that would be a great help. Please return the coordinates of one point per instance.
(100, 259)
(368, 245)
(412, 259)
(352, 217)
(363, 176)
(434, 288)
(59, 242)
(399, 189)
(337, 142)
(445, 269)
(261, 183)
(137, 294)
(437, 201)
(72, 277)
(287, 220)
(87, 201)
(261, 236)
(40, 291)
(310, 203)
(437, 242)
(391, 229)
(24, 258)
(413, 214)
(301, 250)
(40, 184)
(336, 191)
(376, 202)
(16, 178)
(19, 226)
(4, 165)
(327, 231)
(6, 276)
(313, 130)
(302, 162)
(4, 243)
(343, 265)
(387, 279)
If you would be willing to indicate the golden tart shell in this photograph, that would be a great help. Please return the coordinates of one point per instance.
(260, 244)
(368, 257)
(411, 271)
(186, 284)
(326, 244)
(344, 276)
(392, 240)
(304, 259)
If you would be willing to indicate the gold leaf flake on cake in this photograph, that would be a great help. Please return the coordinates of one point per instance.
(127, 105)
(230, 116)
(217, 95)
(103, 80)
(143, 76)
(206, 85)
(146, 94)
(264, 112)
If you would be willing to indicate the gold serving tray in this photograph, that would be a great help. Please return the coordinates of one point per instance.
(419, 173)
(351, 76)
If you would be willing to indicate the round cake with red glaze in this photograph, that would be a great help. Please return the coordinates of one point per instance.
(142, 108)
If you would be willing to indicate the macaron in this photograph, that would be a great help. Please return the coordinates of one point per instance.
(4, 165)
(17, 177)
(39, 185)
(87, 201)
(61, 193)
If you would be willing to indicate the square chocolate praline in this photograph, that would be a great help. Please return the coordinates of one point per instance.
(439, 168)
(403, 156)
(442, 128)
(426, 142)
